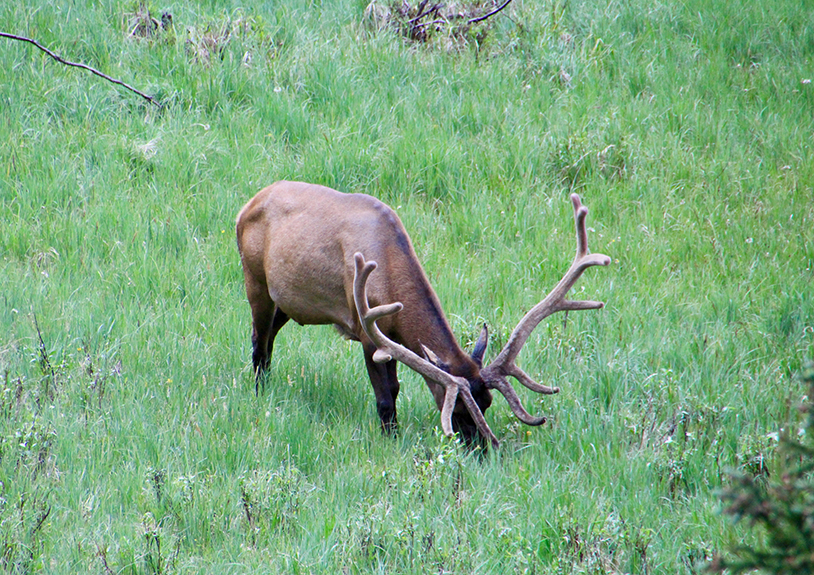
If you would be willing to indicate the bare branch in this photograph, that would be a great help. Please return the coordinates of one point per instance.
(41, 520)
(420, 11)
(490, 14)
(421, 24)
(80, 65)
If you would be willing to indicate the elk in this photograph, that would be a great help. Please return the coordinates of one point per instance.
(309, 253)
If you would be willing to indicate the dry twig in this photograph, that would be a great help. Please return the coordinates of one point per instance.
(80, 65)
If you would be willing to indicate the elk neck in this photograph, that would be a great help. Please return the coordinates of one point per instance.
(422, 321)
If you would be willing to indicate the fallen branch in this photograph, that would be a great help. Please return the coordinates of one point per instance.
(420, 11)
(422, 14)
(420, 24)
(80, 65)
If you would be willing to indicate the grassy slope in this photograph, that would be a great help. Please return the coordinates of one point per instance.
(139, 445)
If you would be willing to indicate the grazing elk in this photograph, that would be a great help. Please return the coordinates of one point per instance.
(308, 253)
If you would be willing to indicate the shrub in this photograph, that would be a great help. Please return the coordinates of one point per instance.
(782, 507)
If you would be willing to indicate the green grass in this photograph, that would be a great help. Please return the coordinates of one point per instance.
(132, 442)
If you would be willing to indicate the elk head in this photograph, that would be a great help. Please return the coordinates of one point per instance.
(496, 374)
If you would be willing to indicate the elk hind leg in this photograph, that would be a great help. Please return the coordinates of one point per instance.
(267, 319)
(278, 320)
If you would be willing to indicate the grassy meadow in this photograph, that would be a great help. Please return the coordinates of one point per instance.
(131, 439)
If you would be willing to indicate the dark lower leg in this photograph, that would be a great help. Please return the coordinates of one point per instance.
(386, 388)
(261, 355)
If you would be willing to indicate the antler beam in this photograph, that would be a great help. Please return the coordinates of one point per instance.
(504, 364)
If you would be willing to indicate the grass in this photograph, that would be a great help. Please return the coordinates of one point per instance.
(130, 437)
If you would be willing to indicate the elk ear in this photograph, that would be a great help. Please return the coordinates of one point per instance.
(480, 346)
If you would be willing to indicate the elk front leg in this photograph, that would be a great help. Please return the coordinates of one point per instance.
(386, 388)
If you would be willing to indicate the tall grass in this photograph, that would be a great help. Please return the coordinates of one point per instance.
(130, 437)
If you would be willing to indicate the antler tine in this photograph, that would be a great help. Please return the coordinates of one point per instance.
(504, 387)
(504, 364)
(387, 349)
(367, 315)
(580, 213)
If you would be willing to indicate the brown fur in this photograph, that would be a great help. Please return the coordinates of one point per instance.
(297, 243)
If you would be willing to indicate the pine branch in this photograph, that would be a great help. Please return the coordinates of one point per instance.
(781, 508)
